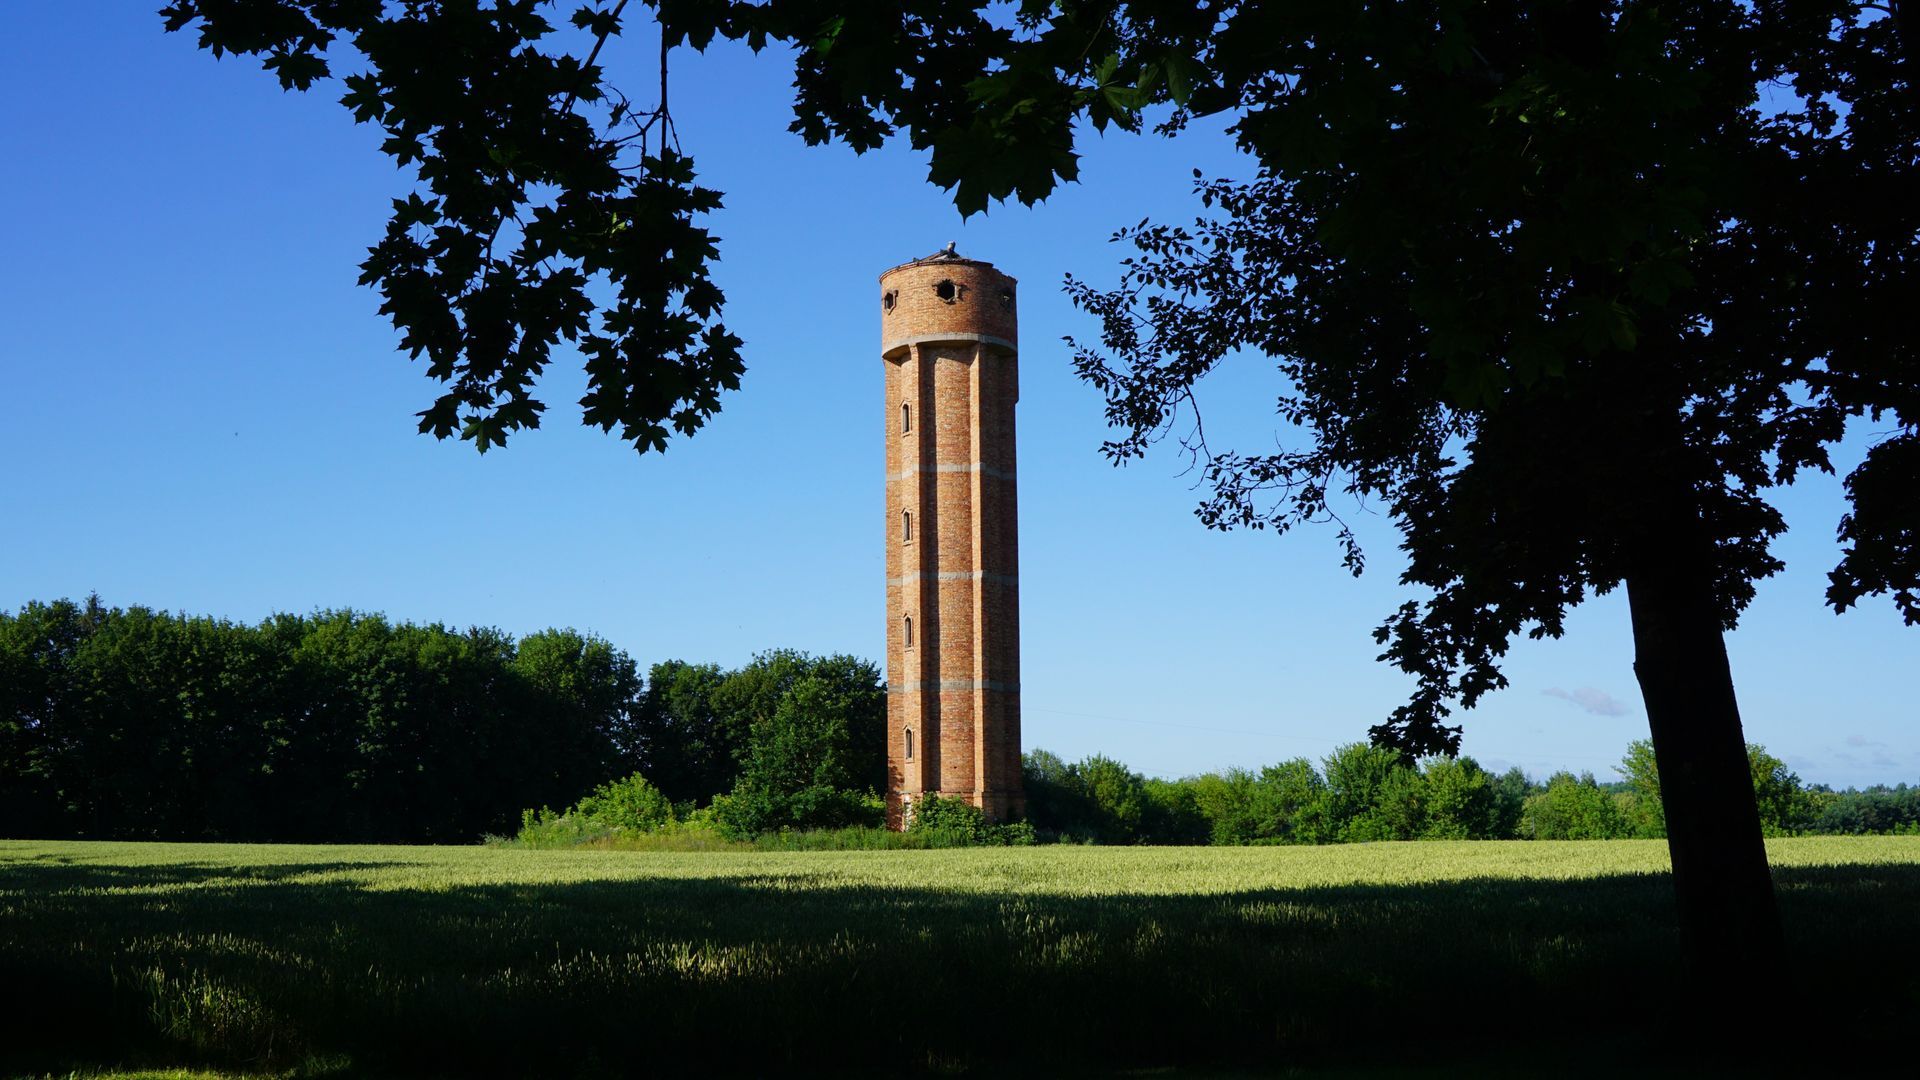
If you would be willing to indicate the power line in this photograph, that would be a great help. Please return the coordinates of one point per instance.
(1172, 724)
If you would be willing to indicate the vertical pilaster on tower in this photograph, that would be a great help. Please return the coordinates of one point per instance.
(948, 335)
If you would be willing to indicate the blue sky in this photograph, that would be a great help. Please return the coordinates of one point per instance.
(202, 412)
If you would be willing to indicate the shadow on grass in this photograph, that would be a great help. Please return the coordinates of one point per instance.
(50, 872)
(266, 968)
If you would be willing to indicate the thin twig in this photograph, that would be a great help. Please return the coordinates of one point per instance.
(599, 41)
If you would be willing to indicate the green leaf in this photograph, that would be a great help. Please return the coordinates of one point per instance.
(1182, 71)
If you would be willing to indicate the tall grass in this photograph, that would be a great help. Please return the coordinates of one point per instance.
(416, 961)
(565, 833)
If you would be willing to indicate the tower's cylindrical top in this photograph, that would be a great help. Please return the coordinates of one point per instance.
(946, 297)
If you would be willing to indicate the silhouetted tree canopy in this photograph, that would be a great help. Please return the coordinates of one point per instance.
(1458, 207)
(1547, 284)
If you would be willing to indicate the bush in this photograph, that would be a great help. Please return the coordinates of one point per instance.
(1282, 804)
(1777, 792)
(1173, 814)
(1460, 800)
(1117, 796)
(1052, 803)
(1510, 791)
(1099, 799)
(627, 807)
(752, 812)
(1291, 801)
(1572, 809)
(1401, 808)
(1355, 773)
(1372, 794)
(1226, 800)
(1646, 814)
(632, 804)
(801, 767)
(953, 822)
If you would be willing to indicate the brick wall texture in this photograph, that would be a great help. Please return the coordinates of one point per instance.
(948, 337)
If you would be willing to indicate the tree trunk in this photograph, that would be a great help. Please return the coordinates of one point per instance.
(1728, 921)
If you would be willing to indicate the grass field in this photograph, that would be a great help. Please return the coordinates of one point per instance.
(1483, 957)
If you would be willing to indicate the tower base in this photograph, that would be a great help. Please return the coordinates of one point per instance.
(1000, 806)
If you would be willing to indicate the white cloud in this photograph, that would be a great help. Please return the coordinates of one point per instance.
(1591, 700)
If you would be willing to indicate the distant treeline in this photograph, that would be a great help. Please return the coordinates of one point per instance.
(341, 726)
(1362, 792)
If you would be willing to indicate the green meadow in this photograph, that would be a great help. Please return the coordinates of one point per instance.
(1475, 956)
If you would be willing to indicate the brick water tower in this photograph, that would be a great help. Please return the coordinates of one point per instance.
(947, 334)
